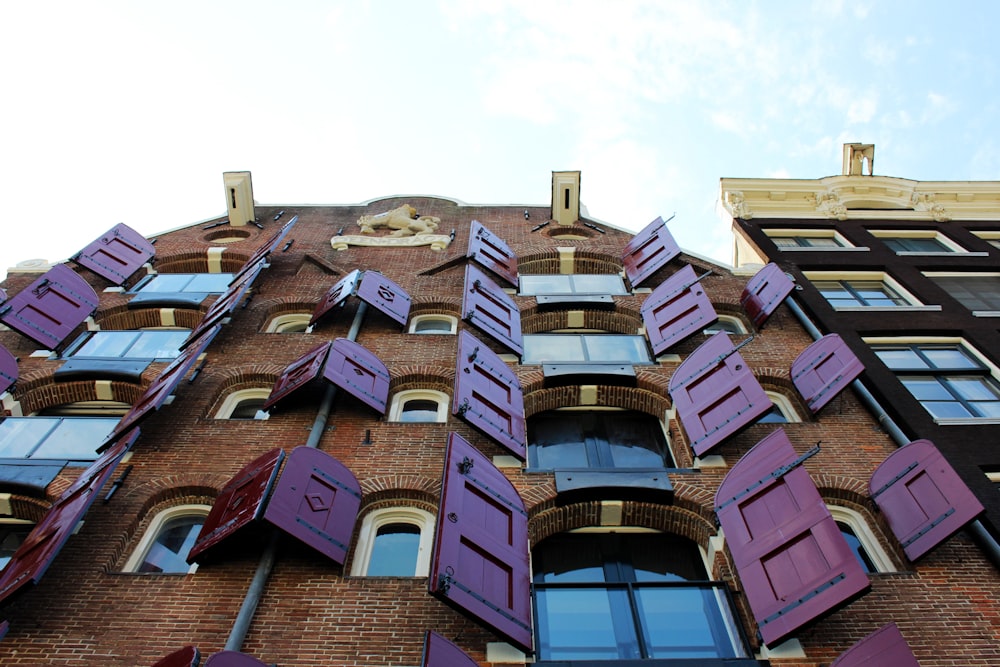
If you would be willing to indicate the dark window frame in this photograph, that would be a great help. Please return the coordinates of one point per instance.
(598, 447)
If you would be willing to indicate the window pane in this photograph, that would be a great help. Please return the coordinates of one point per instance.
(773, 416)
(433, 325)
(209, 282)
(634, 440)
(419, 411)
(545, 284)
(821, 242)
(551, 348)
(856, 547)
(20, 435)
(901, 359)
(973, 388)
(107, 344)
(607, 347)
(585, 624)
(394, 553)
(173, 542)
(597, 284)
(557, 441)
(166, 282)
(927, 389)
(916, 245)
(946, 410)
(683, 623)
(76, 438)
(11, 537)
(949, 357)
(248, 408)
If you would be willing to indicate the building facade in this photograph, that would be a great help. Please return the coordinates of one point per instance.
(420, 432)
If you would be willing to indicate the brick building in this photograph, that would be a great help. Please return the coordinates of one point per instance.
(457, 435)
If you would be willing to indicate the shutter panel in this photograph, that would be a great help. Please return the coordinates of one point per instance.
(716, 394)
(793, 562)
(923, 498)
(491, 310)
(233, 659)
(385, 295)
(764, 293)
(676, 309)
(480, 563)
(188, 656)
(649, 251)
(264, 250)
(824, 369)
(225, 303)
(439, 652)
(885, 647)
(488, 394)
(299, 372)
(50, 308)
(116, 254)
(336, 295)
(316, 500)
(239, 504)
(359, 372)
(8, 369)
(491, 252)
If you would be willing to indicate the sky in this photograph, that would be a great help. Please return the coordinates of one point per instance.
(131, 111)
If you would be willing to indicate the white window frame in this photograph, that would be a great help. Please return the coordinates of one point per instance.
(843, 243)
(952, 247)
(233, 400)
(149, 537)
(375, 519)
(869, 542)
(416, 319)
(287, 322)
(400, 399)
(874, 276)
(731, 319)
(785, 406)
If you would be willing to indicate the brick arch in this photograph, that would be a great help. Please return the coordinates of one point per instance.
(539, 399)
(122, 318)
(441, 378)
(385, 490)
(438, 307)
(621, 320)
(43, 391)
(251, 376)
(197, 261)
(27, 508)
(546, 261)
(779, 380)
(271, 308)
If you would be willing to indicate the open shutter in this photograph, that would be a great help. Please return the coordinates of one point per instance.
(480, 563)
(225, 304)
(649, 251)
(188, 656)
(385, 295)
(488, 395)
(676, 309)
(300, 372)
(824, 369)
(439, 652)
(923, 498)
(233, 659)
(336, 295)
(265, 249)
(8, 369)
(886, 647)
(491, 252)
(316, 500)
(239, 504)
(716, 394)
(491, 310)
(359, 372)
(116, 254)
(764, 293)
(50, 308)
(794, 564)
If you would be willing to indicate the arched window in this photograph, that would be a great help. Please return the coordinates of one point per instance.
(13, 532)
(244, 404)
(288, 323)
(433, 324)
(728, 323)
(394, 542)
(862, 540)
(166, 543)
(419, 406)
(781, 412)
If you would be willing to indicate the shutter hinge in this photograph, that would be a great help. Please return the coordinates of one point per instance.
(466, 465)
(780, 472)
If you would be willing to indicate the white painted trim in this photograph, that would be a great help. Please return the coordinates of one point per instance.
(401, 397)
(149, 537)
(878, 556)
(375, 519)
(232, 401)
(416, 319)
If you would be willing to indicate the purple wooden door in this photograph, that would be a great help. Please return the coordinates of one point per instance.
(116, 254)
(185, 657)
(491, 252)
(793, 561)
(336, 295)
(886, 647)
(922, 497)
(233, 659)
(359, 372)
(716, 394)
(764, 293)
(239, 503)
(316, 500)
(50, 308)
(488, 395)
(439, 652)
(299, 373)
(480, 563)
(649, 251)
(676, 309)
(8, 369)
(491, 310)
(824, 369)
(385, 295)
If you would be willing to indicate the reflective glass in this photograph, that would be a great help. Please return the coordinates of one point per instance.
(547, 349)
(901, 359)
(683, 623)
(855, 544)
(598, 284)
(616, 348)
(394, 553)
(132, 345)
(419, 411)
(585, 624)
(948, 357)
(75, 438)
(12, 535)
(20, 435)
(106, 344)
(157, 345)
(173, 542)
(209, 282)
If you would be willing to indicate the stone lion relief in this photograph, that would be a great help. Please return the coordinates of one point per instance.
(403, 220)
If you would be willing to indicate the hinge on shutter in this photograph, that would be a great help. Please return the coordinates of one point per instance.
(926, 529)
(464, 407)
(477, 284)
(722, 425)
(802, 600)
(475, 353)
(336, 482)
(466, 465)
(900, 475)
(780, 472)
(713, 363)
(445, 582)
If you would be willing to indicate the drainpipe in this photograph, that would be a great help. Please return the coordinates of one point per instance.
(978, 531)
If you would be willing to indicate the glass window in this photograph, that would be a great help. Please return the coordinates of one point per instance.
(781, 411)
(249, 408)
(288, 323)
(54, 438)
(158, 344)
(174, 283)
(855, 544)
(726, 323)
(628, 596)
(921, 245)
(12, 536)
(165, 546)
(562, 439)
(976, 292)
(916, 242)
(860, 293)
(571, 284)
(433, 324)
(862, 541)
(807, 239)
(394, 553)
(585, 348)
(394, 542)
(244, 404)
(419, 406)
(806, 242)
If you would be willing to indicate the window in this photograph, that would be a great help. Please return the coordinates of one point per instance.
(185, 283)
(146, 345)
(979, 292)
(807, 239)
(167, 541)
(594, 348)
(991, 237)
(244, 404)
(862, 290)
(870, 554)
(781, 411)
(628, 596)
(13, 532)
(916, 242)
(288, 323)
(54, 438)
(562, 439)
(419, 405)
(948, 379)
(394, 542)
(433, 324)
(728, 323)
(572, 284)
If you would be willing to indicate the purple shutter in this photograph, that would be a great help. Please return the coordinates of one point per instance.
(488, 394)
(764, 293)
(886, 647)
(233, 659)
(225, 303)
(8, 369)
(185, 657)
(116, 254)
(649, 251)
(50, 308)
(491, 252)
(922, 497)
(300, 372)
(266, 248)
(676, 309)
(824, 369)
(159, 389)
(439, 652)
(316, 500)
(716, 394)
(491, 310)
(480, 563)
(793, 561)
(359, 372)
(387, 296)
(336, 295)
(239, 504)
